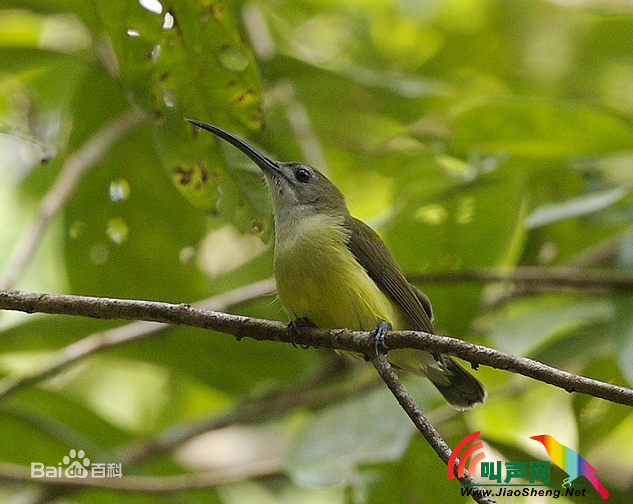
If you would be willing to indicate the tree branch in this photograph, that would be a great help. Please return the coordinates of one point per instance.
(71, 172)
(425, 427)
(308, 394)
(261, 330)
(281, 401)
(111, 338)
(559, 277)
(340, 339)
(14, 473)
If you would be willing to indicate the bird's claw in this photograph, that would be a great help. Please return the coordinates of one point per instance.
(379, 333)
(293, 329)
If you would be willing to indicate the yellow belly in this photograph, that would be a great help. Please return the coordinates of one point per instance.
(318, 278)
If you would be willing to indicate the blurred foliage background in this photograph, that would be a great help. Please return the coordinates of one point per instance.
(469, 133)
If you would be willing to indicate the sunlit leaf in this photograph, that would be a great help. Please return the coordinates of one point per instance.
(576, 207)
(534, 129)
(188, 61)
(335, 442)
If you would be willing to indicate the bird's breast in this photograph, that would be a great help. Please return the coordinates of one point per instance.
(318, 278)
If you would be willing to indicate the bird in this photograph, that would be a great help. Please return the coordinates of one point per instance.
(570, 462)
(333, 271)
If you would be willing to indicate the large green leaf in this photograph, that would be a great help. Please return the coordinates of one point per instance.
(332, 445)
(439, 227)
(535, 129)
(420, 468)
(189, 61)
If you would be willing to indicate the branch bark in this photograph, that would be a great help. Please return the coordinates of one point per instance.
(397, 388)
(551, 277)
(264, 330)
(135, 331)
(339, 339)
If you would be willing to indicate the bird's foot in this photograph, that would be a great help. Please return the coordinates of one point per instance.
(293, 329)
(379, 334)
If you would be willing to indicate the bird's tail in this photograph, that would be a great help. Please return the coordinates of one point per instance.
(604, 493)
(460, 388)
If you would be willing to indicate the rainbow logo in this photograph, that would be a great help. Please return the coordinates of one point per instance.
(570, 462)
(462, 460)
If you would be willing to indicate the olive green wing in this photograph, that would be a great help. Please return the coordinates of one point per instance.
(373, 255)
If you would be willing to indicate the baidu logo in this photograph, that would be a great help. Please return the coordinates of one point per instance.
(76, 465)
(76, 468)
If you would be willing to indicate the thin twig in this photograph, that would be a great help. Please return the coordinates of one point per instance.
(135, 331)
(239, 295)
(565, 277)
(433, 438)
(340, 339)
(76, 165)
(309, 394)
(277, 403)
(14, 473)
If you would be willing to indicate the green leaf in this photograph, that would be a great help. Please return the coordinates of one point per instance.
(524, 325)
(621, 333)
(190, 61)
(538, 129)
(419, 476)
(84, 10)
(331, 445)
(575, 207)
(513, 418)
(41, 426)
(595, 417)
(449, 227)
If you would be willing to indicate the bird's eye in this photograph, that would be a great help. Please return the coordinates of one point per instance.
(302, 175)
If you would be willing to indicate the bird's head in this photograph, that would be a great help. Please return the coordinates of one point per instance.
(295, 188)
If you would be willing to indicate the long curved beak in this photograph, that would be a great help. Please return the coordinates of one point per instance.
(264, 162)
